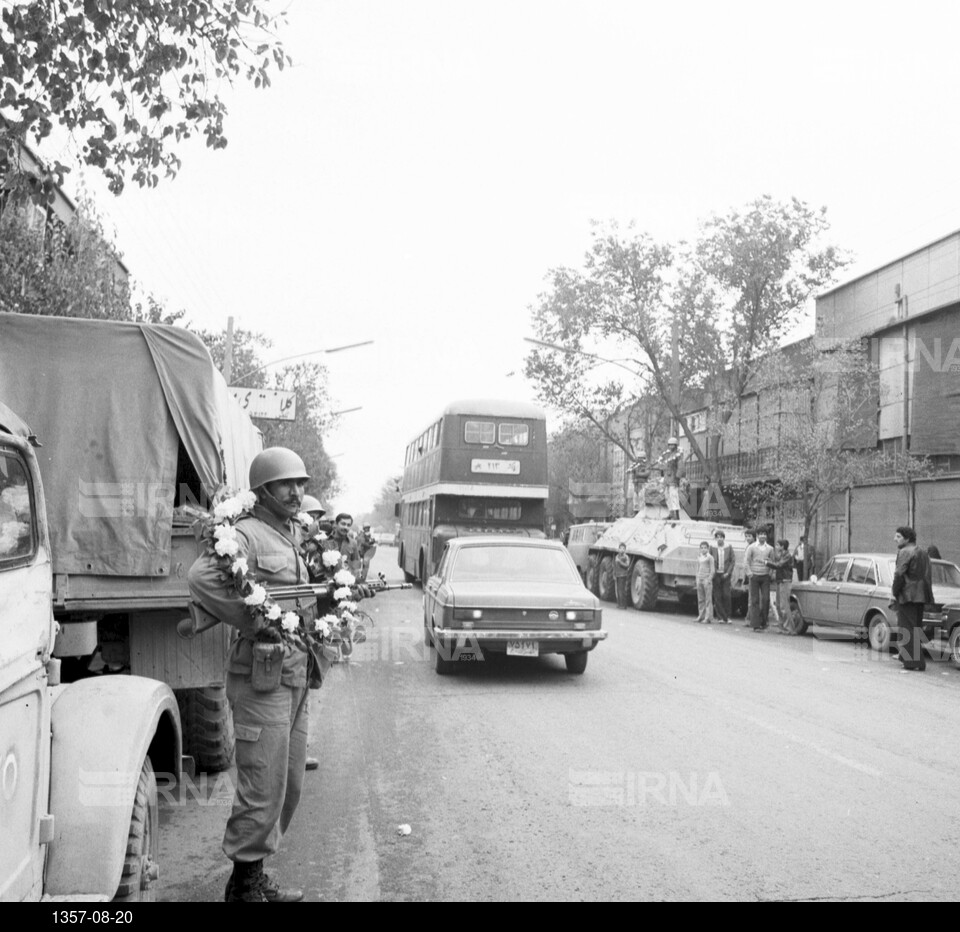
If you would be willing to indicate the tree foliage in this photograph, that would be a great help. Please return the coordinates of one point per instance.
(383, 514)
(575, 453)
(131, 80)
(676, 319)
(67, 270)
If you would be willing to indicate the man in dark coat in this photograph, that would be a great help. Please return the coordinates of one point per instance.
(723, 559)
(912, 589)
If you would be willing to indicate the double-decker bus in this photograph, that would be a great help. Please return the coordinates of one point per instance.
(480, 468)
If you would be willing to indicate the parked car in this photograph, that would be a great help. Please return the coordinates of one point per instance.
(578, 539)
(513, 595)
(945, 632)
(852, 593)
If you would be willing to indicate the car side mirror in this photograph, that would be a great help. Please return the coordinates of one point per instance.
(814, 578)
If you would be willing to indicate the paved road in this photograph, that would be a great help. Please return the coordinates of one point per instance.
(688, 762)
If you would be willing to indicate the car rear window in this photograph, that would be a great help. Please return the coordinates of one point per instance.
(506, 564)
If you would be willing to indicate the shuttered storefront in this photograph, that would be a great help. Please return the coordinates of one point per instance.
(938, 516)
(875, 512)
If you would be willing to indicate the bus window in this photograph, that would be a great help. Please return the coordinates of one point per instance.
(479, 432)
(514, 435)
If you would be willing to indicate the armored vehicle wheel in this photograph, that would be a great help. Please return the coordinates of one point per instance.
(608, 588)
(207, 727)
(577, 661)
(141, 864)
(592, 581)
(644, 585)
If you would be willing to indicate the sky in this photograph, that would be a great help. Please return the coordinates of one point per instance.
(420, 168)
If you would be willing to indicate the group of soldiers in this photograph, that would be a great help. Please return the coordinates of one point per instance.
(271, 721)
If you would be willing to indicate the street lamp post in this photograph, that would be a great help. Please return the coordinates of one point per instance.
(335, 349)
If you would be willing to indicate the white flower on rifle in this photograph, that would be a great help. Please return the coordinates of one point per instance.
(348, 606)
(342, 593)
(331, 557)
(289, 622)
(227, 547)
(344, 578)
(326, 624)
(247, 500)
(258, 595)
(225, 532)
(274, 612)
(239, 566)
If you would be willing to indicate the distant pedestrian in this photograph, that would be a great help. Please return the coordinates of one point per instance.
(912, 589)
(749, 537)
(724, 559)
(782, 567)
(758, 578)
(933, 551)
(621, 575)
(706, 567)
(803, 559)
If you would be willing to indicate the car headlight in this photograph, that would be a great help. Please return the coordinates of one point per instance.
(580, 614)
(467, 614)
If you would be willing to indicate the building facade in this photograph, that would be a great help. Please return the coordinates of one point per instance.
(908, 312)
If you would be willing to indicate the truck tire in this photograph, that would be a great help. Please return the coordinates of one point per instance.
(592, 577)
(207, 727)
(644, 585)
(608, 588)
(141, 867)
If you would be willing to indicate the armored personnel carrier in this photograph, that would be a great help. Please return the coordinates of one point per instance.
(663, 553)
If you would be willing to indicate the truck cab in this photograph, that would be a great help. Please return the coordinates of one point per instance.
(78, 793)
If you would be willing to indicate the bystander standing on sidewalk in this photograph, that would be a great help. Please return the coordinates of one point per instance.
(621, 575)
(706, 567)
(782, 567)
(758, 578)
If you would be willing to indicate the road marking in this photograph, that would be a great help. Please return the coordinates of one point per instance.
(820, 749)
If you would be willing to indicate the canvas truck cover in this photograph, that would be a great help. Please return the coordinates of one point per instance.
(110, 401)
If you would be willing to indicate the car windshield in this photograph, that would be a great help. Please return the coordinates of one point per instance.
(474, 564)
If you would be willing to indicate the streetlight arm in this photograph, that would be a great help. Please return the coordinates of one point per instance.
(576, 352)
(335, 349)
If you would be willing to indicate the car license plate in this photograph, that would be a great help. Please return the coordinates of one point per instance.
(523, 649)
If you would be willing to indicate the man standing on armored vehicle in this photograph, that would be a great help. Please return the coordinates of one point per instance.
(670, 463)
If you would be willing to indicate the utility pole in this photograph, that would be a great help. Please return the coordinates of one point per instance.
(675, 366)
(228, 352)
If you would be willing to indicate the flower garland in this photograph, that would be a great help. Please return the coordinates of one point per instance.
(332, 630)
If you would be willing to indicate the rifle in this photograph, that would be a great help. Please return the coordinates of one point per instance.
(201, 620)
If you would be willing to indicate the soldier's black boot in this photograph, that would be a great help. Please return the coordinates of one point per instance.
(277, 894)
(246, 883)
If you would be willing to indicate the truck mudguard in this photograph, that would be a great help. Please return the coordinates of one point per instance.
(102, 728)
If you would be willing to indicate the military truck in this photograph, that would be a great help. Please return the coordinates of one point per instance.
(138, 431)
(78, 789)
(663, 554)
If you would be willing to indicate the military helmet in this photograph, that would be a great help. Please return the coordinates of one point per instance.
(672, 441)
(275, 464)
(311, 504)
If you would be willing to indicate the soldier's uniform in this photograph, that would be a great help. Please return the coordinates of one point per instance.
(270, 727)
(367, 545)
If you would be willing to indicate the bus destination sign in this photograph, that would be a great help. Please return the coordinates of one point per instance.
(497, 467)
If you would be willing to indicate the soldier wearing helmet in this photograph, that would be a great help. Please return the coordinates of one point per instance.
(270, 727)
(367, 544)
(670, 463)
